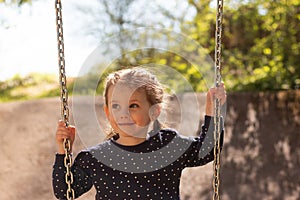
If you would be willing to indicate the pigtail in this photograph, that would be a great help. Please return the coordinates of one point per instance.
(112, 134)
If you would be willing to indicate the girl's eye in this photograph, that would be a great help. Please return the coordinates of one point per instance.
(134, 105)
(115, 106)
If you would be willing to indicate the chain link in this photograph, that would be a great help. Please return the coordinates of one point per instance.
(217, 118)
(70, 194)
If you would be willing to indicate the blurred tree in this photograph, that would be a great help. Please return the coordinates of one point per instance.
(261, 38)
(261, 42)
(18, 2)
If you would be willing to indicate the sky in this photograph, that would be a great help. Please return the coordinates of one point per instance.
(28, 40)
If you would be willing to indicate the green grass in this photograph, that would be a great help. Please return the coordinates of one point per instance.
(32, 86)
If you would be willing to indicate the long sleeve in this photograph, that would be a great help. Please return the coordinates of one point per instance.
(201, 150)
(81, 178)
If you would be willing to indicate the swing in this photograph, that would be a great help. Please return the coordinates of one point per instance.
(70, 194)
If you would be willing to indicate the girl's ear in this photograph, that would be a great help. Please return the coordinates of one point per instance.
(154, 112)
(105, 108)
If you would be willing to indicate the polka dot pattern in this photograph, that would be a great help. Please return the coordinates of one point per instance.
(121, 176)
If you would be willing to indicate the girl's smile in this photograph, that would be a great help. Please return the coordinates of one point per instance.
(126, 124)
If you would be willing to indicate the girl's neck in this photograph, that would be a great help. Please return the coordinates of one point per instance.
(130, 141)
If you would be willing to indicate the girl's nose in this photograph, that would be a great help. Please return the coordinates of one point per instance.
(124, 114)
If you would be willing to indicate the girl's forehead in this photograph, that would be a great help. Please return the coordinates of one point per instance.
(118, 91)
(123, 88)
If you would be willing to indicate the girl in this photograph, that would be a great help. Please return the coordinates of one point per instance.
(133, 162)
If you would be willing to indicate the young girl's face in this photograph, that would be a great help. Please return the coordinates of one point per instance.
(128, 111)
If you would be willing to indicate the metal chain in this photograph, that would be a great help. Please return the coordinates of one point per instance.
(217, 118)
(70, 194)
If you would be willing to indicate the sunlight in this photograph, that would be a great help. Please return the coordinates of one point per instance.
(28, 40)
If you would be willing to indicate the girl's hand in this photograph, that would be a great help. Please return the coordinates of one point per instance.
(63, 133)
(215, 92)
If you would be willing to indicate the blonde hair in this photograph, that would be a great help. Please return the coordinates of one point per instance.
(142, 80)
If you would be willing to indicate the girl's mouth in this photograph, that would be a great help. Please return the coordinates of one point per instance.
(126, 124)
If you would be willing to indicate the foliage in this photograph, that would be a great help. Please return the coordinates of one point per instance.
(261, 43)
(32, 86)
(18, 2)
(261, 47)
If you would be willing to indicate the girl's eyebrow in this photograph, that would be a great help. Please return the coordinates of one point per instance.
(132, 100)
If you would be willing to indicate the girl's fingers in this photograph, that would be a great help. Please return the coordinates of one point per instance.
(219, 93)
(72, 131)
(64, 132)
(61, 137)
(71, 128)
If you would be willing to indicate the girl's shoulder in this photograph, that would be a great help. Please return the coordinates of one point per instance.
(167, 135)
(99, 147)
(171, 134)
(168, 131)
(90, 151)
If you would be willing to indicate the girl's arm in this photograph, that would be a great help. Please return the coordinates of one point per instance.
(201, 151)
(81, 178)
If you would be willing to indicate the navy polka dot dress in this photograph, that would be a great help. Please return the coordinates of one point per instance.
(150, 170)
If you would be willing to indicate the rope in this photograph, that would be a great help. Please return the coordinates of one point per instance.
(70, 194)
(217, 118)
